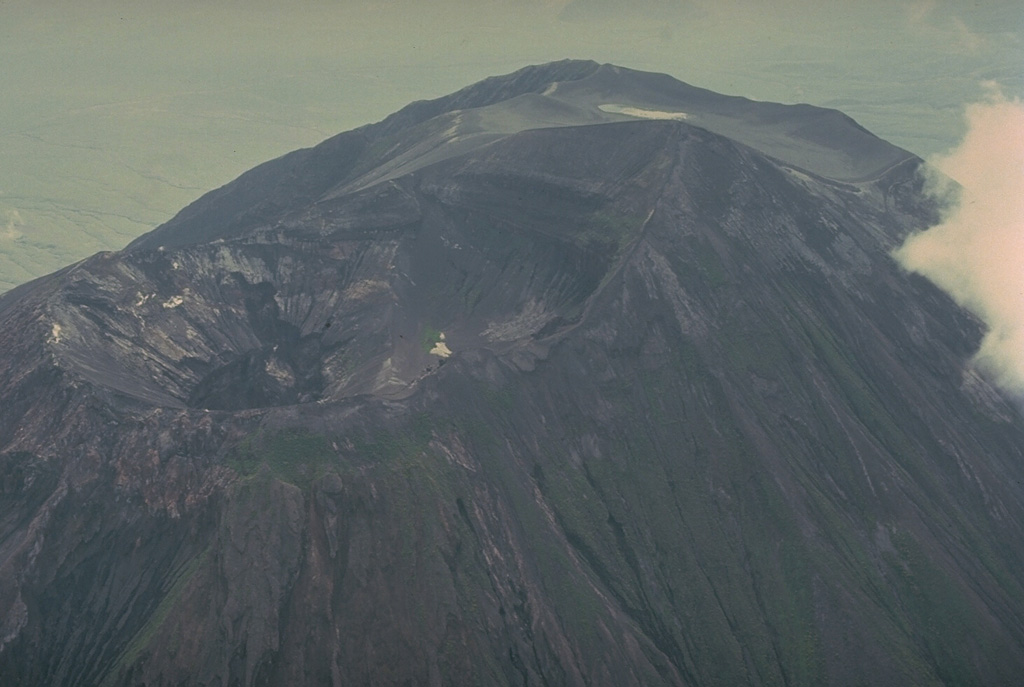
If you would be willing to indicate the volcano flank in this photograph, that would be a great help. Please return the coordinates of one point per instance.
(577, 376)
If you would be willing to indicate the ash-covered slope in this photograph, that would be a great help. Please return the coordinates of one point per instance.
(516, 387)
(569, 93)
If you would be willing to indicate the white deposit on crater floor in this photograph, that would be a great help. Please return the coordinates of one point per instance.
(441, 348)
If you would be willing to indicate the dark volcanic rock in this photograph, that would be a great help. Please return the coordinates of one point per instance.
(577, 376)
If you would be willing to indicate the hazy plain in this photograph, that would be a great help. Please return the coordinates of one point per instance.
(114, 115)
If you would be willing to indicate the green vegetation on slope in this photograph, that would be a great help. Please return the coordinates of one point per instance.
(295, 456)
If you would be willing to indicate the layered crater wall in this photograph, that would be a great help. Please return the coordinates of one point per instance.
(351, 295)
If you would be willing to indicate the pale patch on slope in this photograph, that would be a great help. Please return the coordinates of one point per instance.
(641, 113)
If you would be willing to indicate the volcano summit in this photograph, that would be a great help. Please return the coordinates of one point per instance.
(577, 376)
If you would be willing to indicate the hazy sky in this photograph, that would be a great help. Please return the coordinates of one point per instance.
(114, 115)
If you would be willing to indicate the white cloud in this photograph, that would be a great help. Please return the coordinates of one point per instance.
(976, 253)
(10, 231)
